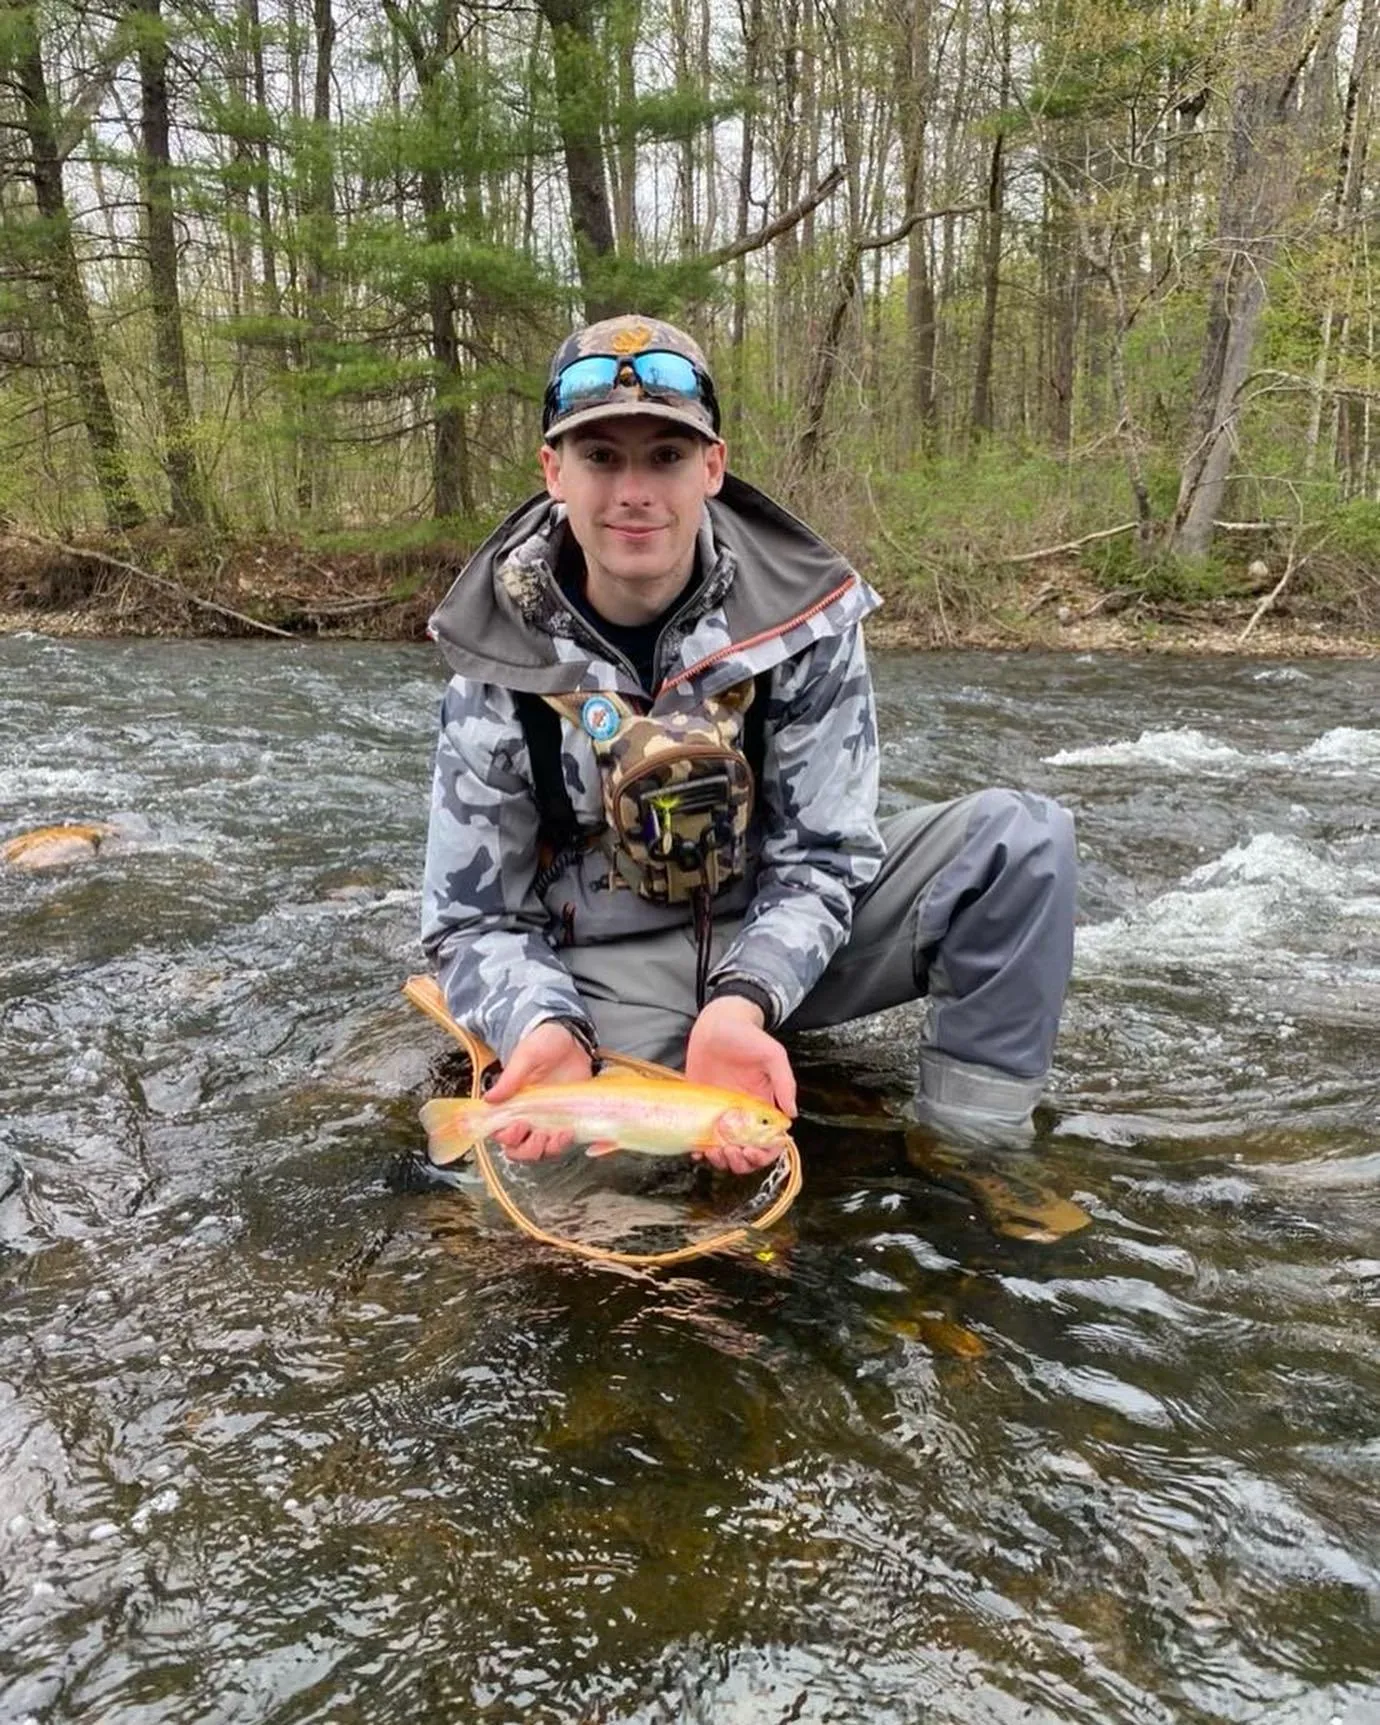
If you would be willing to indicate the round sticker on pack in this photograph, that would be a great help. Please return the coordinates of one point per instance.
(600, 718)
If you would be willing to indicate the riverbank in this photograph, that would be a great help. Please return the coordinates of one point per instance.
(162, 583)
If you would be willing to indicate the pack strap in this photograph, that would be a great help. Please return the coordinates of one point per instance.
(541, 726)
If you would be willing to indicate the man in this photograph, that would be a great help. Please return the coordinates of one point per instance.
(654, 810)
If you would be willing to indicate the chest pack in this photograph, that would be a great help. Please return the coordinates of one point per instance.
(678, 791)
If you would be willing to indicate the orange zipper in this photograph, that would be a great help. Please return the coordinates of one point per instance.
(766, 635)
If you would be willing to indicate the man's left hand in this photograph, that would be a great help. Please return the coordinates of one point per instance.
(729, 1047)
(548, 1054)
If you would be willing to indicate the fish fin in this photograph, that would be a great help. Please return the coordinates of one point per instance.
(603, 1147)
(451, 1130)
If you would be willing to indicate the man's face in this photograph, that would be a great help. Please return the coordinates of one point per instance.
(634, 491)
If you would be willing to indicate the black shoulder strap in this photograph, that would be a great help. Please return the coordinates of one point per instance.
(541, 726)
(755, 726)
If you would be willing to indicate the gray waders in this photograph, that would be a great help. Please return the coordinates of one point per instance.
(973, 910)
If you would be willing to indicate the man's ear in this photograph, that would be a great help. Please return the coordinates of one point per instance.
(715, 465)
(551, 472)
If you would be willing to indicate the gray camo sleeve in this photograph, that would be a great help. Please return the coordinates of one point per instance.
(822, 844)
(483, 926)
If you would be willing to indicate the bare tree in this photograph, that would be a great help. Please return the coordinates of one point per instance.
(188, 498)
(1276, 41)
(58, 249)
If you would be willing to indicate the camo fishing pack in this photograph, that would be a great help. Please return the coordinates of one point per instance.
(678, 791)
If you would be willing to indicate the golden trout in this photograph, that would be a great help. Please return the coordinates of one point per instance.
(616, 1111)
(47, 847)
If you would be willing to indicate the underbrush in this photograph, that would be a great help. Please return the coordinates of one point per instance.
(160, 580)
(957, 536)
(948, 541)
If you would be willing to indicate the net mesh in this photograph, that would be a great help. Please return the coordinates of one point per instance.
(633, 1208)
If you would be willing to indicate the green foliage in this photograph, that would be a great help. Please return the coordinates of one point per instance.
(1117, 564)
(1191, 580)
(358, 371)
(660, 290)
(398, 539)
(1097, 61)
(401, 264)
(680, 112)
(1354, 531)
(976, 512)
(16, 36)
(462, 127)
(443, 168)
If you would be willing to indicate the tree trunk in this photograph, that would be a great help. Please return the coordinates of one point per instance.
(788, 177)
(807, 151)
(981, 418)
(579, 77)
(1257, 189)
(320, 173)
(319, 244)
(268, 251)
(243, 293)
(451, 480)
(189, 507)
(1346, 204)
(685, 147)
(750, 14)
(625, 23)
(709, 230)
(913, 84)
(1062, 284)
(78, 336)
(810, 444)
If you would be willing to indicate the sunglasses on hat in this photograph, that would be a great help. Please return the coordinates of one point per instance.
(659, 375)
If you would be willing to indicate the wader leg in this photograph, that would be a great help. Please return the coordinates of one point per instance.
(973, 907)
(640, 992)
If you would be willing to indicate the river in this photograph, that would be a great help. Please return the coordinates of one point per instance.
(285, 1438)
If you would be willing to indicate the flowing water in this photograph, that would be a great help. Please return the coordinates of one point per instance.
(284, 1437)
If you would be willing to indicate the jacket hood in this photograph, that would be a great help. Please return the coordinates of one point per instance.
(506, 621)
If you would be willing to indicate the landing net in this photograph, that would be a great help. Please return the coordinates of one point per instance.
(624, 1208)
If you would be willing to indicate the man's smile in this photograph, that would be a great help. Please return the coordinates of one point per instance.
(633, 530)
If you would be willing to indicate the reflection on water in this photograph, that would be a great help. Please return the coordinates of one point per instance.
(284, 1438)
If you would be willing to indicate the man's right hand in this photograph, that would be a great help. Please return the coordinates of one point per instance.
(549, 1054)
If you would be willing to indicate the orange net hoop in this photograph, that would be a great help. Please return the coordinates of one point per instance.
(425, 994)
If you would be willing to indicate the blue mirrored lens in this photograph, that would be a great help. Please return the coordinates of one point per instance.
(586, 380)
(593, 379)
(666, 374)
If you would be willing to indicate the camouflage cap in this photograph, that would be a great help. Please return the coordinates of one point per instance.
(624, 338)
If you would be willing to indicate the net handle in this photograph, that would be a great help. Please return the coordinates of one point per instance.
(425, 994)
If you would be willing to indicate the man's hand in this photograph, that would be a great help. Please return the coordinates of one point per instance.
(547, 1055)
(729, 1047)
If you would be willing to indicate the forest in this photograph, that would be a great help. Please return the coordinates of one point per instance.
(983, 282)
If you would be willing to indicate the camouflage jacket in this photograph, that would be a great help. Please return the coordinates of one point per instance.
(773, 597)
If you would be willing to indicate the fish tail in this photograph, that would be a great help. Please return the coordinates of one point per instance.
(453, 1126)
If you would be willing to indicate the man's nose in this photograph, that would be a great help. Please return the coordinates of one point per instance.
(633, 484)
